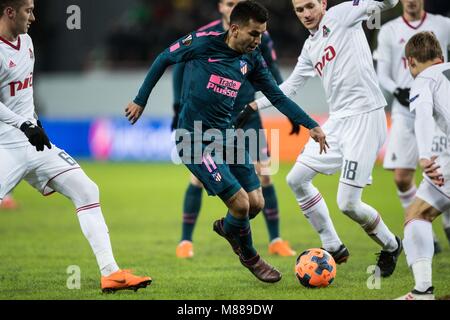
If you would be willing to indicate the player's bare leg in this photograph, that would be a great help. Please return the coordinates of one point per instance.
(84, 194)
(235, 228)
(277, 245)
(406, 190)
(418, 244)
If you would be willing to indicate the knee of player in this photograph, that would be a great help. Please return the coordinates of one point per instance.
(255, 207)
(265, 180)
(348, 206)
(422, 213)
(403, 181)
(294, 181)
(90, 190)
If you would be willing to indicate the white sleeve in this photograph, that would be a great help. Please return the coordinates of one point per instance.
(350, 13)
(422, 104)
(302, 72)
(9, 117)
(383, 55)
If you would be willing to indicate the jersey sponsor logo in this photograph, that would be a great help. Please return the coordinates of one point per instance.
(244, 67)
(187, 41)
(414, 98)
(328, 56)
(12, 64)
(224, 86)
(19, 85)
(326, 31)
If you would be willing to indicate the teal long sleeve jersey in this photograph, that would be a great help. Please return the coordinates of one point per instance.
(247, 92)
(213, 76)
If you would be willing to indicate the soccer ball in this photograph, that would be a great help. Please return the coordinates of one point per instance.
(315, 268)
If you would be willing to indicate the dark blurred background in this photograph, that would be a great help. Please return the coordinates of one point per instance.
(129, 34)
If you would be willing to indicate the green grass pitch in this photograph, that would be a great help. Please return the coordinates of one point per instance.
(142, 207)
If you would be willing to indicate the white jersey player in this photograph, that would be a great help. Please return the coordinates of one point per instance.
(394, 76)
(429, 99)
(27, 154)
(337, 51)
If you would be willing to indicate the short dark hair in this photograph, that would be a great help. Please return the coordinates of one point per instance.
(16, 4)
(248, 10)
(423, 46)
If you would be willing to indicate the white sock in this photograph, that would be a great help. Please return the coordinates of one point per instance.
(313, 205)
(407, 197)
(319, 217)
(96, 232)
(422, 272)
(349, 201)
(419, 250)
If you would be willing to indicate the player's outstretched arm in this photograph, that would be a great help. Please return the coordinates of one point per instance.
(263, 81)
(180, 51)
(302, 72)
(350, 13)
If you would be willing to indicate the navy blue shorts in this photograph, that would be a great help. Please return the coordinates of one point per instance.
(223, 171)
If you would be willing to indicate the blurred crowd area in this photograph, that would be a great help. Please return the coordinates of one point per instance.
(148, 27)
(130, 35)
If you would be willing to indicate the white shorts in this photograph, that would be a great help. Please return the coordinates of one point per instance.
(354, 145)
(402, 152)
(438, 197)
(37, 168)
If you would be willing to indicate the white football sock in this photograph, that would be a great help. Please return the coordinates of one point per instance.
(419, 250)
(407, 197)
(84, 193)
(313, 205)
(349, 202)
(96, 232)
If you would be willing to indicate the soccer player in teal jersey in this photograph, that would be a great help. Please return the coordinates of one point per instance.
(217, 64)
(193, 195)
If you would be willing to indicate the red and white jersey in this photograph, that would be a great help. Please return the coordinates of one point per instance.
(16, 89)
(338, 52)
(430, 99)
(393, 69)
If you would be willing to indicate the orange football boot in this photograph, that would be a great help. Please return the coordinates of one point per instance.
(281, 248)
(8, 203)
(185, 249)
(124, 280)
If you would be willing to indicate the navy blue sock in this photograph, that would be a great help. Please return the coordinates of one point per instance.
(271, 211)
(191, 209)
(240, 229)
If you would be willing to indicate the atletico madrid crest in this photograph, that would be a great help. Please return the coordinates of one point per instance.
(244, 67)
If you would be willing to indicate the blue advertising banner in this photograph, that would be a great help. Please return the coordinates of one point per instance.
(112, 139)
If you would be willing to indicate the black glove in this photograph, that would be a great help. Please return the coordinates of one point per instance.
(295, 128)
(402, 96)
(36, 135)
(243, 116)
(176, 116)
